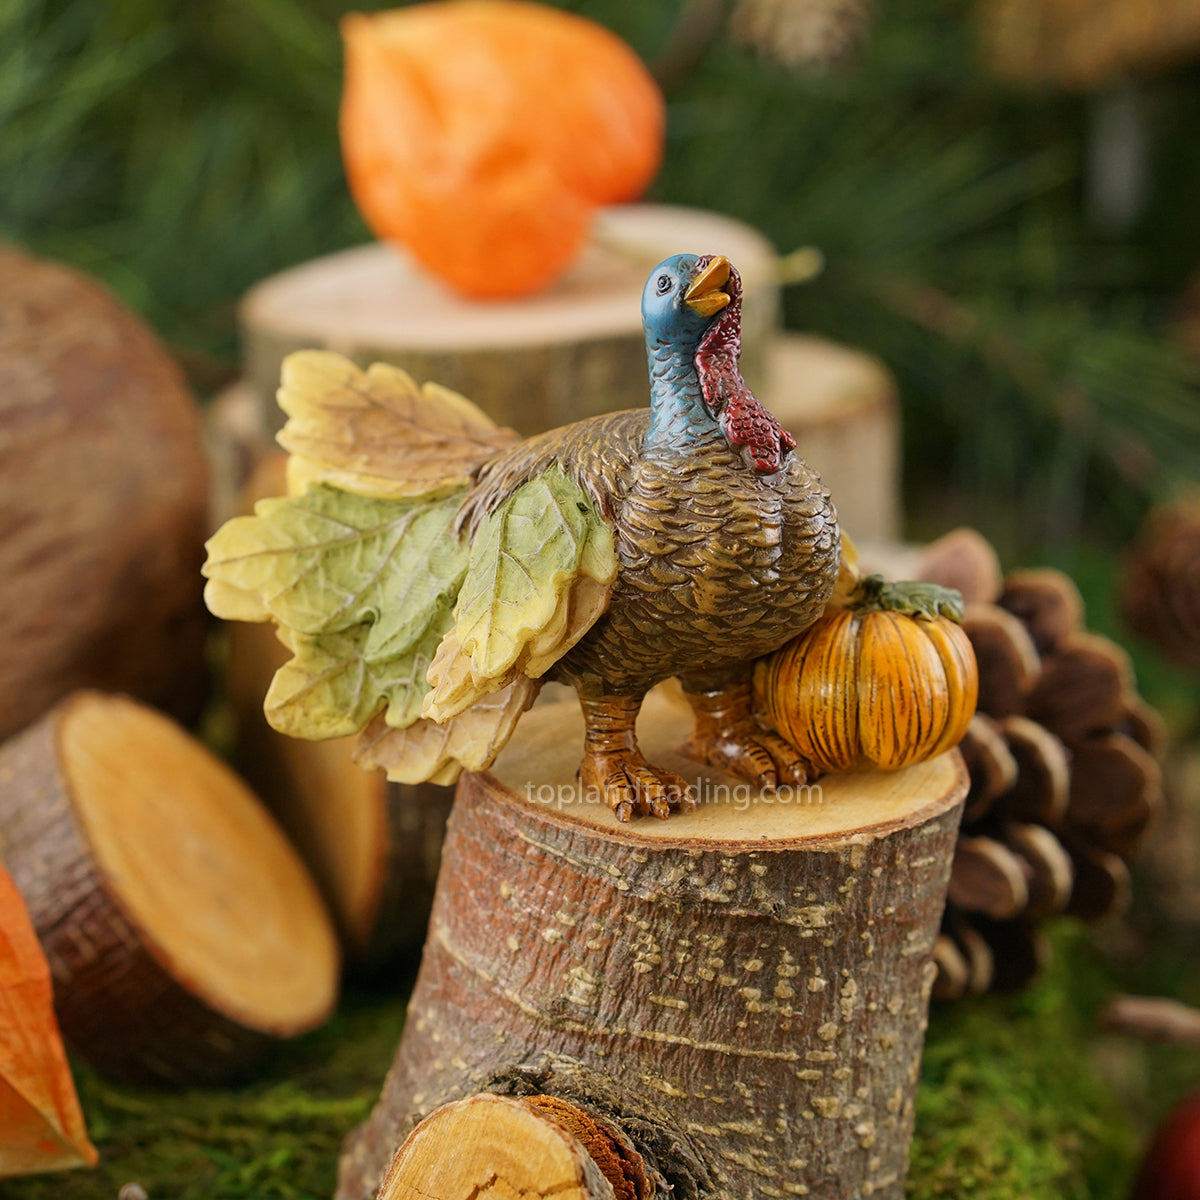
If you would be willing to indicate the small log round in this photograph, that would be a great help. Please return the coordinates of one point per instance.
(183, 934)
(491, 1147)
(742, 990)
(535, 363)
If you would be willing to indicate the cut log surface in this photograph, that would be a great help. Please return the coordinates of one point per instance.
(493, 1148)
(534, 363)
(372, 846)
(742, 990)
(182, 931)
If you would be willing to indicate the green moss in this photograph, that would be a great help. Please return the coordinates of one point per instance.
(276, 1137)
(1013, 1105)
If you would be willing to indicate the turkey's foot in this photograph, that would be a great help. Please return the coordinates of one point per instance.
(727, 735)
(632, 787)
(614, 767)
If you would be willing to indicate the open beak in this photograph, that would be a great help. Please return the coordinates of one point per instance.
(705, 295)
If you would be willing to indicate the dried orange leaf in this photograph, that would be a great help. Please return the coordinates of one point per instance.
(41, 1125)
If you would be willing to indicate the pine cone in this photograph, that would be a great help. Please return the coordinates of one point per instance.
(803, 33)
(1062, 757)
(1161, 591)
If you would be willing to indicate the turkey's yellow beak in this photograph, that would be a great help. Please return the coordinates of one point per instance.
(705, 295)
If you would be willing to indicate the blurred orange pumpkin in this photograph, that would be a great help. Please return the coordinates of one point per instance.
(870, 689)
(482, 134)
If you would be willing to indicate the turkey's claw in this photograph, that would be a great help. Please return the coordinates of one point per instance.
(752, 753)
(728, 736)
(632, 787)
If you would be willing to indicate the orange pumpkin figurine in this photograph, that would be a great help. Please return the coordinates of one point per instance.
(877, 685)
(482, 135)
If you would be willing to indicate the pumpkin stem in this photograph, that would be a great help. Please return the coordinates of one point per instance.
(912, 598)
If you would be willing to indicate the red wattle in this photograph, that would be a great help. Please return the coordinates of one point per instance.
(743, 420)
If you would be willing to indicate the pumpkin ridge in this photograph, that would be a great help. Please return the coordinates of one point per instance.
(864, 688)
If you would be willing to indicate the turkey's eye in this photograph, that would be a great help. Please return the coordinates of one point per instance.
(664, 284)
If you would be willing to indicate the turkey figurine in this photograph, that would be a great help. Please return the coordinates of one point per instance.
(429, 570)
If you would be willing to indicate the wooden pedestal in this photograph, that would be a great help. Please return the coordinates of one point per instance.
(738, 993)
(533, 363)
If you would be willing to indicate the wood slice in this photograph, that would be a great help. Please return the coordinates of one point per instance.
(372, 846)
(534, 363)
(741, 990)
(103, 501)
(841, 406)
(182, 931)
(493, 1148)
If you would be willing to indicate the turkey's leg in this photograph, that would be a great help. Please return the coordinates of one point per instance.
(729, 736)
(614, 766)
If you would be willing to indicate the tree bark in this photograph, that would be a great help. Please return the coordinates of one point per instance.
(183, 934)
(532, 364)
(741, 990)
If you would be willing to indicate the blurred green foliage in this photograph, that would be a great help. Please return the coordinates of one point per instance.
(183, 151)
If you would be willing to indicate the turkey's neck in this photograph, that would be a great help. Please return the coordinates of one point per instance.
(679, 418)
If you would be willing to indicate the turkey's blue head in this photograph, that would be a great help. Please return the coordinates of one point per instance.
(682, 296)
(692, 313)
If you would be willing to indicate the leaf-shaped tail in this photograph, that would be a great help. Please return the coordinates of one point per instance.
(540, 574)
(376, 432)
(438, 753)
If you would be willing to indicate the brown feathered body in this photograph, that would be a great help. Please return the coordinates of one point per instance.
(718, 562)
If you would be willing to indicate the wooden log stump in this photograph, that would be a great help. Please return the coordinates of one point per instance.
(741, 991)
(183, 934)
(570, 352)
(372, 846)
(103, 501)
